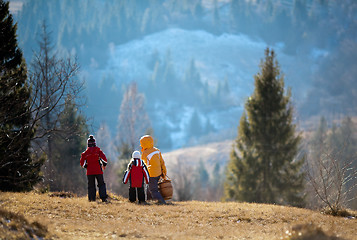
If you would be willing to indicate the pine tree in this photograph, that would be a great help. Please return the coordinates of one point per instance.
(194, 128)
(70, 141)
(192, 80)
(168, 75)
(203, 175)
(18, 171)
(263, 163)
(192, 76)
(216, 17)
(198, 11)
(216, 178)
(237, 14)
(201, 180)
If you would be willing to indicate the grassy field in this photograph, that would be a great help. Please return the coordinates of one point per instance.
(50, 216)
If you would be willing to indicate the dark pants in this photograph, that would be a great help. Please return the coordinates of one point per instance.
(132, 194)
(154, 189)
(91, 187)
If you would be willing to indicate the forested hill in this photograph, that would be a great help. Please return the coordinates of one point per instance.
(315, 41)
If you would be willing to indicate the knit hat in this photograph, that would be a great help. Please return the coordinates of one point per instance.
(91, 141)
(136, 154)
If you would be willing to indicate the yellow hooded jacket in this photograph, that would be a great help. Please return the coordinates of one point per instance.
(152, 157)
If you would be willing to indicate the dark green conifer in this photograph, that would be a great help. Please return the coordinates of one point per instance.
(194, 128)
(263, 164)
(18, 172)
(70, 142)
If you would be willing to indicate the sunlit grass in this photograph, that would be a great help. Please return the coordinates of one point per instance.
(16, 226)
(69, 217)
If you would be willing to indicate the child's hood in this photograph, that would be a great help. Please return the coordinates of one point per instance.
(146, 142)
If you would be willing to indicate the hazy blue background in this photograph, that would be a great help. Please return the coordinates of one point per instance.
(195, 60)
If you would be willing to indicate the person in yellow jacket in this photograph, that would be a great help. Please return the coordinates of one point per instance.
(156, 165)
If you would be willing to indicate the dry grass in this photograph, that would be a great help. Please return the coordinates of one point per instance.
(15, 226)
(76, 218)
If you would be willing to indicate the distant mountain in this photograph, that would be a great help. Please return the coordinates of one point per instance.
(122, 41)
(227, 57)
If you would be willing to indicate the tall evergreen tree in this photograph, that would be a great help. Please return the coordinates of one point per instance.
(201, 180)
(194, 128)
(192, 76)
(18, 171)
(192, 80)
(69, 142)
(168, 69)
(203, 175)
(216, 17)
(216, 181)
(263, 163)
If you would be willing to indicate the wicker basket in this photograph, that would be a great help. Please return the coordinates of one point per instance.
(165, 188)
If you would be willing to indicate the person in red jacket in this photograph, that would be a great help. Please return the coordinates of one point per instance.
(95, 161)
(136, 173)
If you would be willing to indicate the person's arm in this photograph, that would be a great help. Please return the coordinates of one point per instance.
(127, 172)
(83, 161)
(126, 176)
(103, 158)
(146, 173)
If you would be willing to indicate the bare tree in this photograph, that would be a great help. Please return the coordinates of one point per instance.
(216, 188)
(133, 119)
(329, 176)
(104, 139)
(133, 122)
(51, 78)
(183, 181)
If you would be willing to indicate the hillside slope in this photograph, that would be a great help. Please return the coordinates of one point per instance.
(227, 57)
(210, 154)
(76, 218)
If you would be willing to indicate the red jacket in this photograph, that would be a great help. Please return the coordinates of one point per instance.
(136, 172)
(93, 159)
